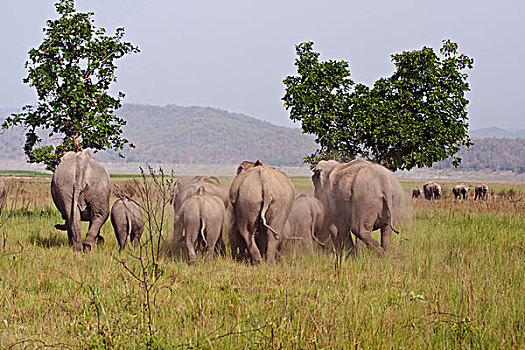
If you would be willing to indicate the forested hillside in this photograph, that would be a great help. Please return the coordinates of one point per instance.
(201, 135)
(491, 154)
(195, 135)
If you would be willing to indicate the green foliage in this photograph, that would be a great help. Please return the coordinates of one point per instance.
(72, 71)
(415, 117)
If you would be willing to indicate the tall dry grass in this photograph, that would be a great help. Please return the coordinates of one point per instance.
(454, 278)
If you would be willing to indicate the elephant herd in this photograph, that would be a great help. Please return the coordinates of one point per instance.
(261, 211)
(432, 190)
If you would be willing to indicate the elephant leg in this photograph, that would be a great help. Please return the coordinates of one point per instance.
(345, 237)
(386, 235)
(220, 247)
(365, 234)
(94, 230)
(74, 231)
(191, 238)
(212, 236)
(274, 239)
(246, 226)
(177, 231)
(237, 244)
(251, 245)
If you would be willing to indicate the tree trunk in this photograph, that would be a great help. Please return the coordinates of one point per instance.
(76, 145)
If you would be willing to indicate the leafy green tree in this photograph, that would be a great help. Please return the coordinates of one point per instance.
(72, 71)
(415, 117)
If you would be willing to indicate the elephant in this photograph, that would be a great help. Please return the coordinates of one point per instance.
(262, 198)
(202, 217)
(460, 191)
(359, 197)
(305, 223)
(184, 188)
(481, 191)
(80, 188)
(432, 190)
(3, 194)
(417, 192)
(126, 218)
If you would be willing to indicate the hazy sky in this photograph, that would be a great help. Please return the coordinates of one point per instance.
(234, 54)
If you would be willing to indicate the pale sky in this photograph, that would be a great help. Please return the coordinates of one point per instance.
(234, 55)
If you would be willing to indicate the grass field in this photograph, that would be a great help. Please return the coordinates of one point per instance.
(454, 278)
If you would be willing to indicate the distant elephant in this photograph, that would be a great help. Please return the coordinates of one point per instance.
(481, 191)
(460, 191)
(3, 194)
(184, 188)
(432, 191)
(304, 226)
(202, 217)
(126, 218)
(80, 189)
(417, 192)
(262, 197)
(359, 197)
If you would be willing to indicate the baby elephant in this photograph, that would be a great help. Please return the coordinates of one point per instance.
(202, 217)
(304, 225)
(127, 222)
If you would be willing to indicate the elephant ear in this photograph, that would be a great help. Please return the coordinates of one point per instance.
(322, 172)
(244, 165)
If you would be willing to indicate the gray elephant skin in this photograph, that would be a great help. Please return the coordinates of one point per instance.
(359, 197)
(80, 189)
(417, 192)
(185, 188)
(460, 191)
(262, 198)
(202, 218)
(126, 218)
(432, 191)
(481, 191)
(304, 226)
(3, 194)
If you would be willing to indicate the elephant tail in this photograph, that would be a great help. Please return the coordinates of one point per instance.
(266, 200)
(203, 221)
(312, 230)
(389, 203)
(129, 225)
(74, 213)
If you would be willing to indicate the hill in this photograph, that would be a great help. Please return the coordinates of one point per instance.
(207, 136)
(193, 135)
(496, 133)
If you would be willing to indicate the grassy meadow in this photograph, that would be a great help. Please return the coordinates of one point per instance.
(454, 278)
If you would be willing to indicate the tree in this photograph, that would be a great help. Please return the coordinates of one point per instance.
(72, 71)
(415, 117)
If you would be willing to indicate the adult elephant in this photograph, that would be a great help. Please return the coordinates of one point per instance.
(460, 191)
(359, 197)
(80, 189)
(262, 198)
(432, 190)
(185, 188)
(481, 191)
(3, 194)
(304, 226)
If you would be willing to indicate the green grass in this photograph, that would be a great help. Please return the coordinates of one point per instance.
(454, 278)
